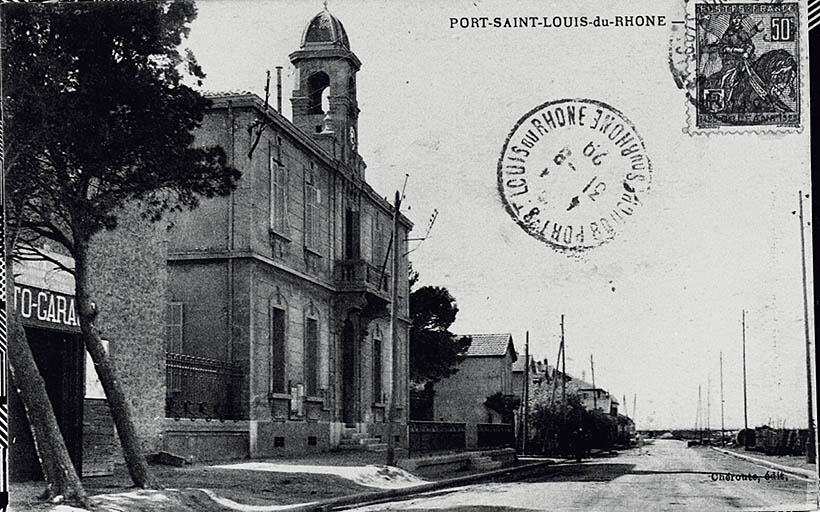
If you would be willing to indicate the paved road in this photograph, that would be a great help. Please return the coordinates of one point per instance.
(666, 476)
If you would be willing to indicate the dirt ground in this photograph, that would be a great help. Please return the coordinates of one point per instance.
(181, 488)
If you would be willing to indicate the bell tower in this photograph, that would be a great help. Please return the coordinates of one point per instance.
(324, 101)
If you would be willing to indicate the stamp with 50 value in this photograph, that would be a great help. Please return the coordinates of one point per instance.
(740, 66)
(572, 172)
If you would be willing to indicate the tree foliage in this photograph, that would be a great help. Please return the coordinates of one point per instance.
(97, 115)
(557, 428)
(434, 350)
(98, 118)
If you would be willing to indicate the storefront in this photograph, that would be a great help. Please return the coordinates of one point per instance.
(48, 310)
(52, 330)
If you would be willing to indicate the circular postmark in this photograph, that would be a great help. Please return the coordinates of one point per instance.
(572, 173)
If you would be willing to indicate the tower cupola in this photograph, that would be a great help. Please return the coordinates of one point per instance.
(324, 100)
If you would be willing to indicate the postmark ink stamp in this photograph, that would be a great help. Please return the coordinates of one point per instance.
(572, 172)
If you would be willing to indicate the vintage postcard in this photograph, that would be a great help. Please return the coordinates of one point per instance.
(532, 255)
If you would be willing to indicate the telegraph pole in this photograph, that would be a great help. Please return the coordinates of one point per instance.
(810, 447)
(394, 329)
(563, 374)
(745, 415)
(594, 389)
(708, 405)
(526, 393)
(722, 426)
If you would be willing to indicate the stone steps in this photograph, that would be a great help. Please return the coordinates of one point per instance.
(353, 439)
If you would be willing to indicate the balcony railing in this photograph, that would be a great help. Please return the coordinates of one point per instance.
(361, 275)
(200, 388)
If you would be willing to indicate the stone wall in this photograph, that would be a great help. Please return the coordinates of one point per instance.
(128, 284)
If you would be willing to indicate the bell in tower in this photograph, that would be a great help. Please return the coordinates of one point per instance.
(324, 101)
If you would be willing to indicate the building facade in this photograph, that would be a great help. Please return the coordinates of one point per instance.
(486, 371)
(278, 327)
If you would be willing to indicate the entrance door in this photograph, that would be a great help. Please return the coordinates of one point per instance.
(59, 357)
(348, 374)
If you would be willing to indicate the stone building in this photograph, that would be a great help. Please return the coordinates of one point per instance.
(486, 371)
(278, 305)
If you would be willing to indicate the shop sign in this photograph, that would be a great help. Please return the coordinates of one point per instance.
(46, 308)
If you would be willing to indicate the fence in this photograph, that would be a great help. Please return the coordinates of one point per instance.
(780, 441)
(495, 435)
(436, 436)
(198, 387)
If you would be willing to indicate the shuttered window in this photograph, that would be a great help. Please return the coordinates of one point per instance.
(312, 356)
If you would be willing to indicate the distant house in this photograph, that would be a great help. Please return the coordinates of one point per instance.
(485, 372)
(592, 397)
(538, 375)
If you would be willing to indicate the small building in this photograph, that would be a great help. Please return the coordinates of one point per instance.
(485, 373)
(593, 397)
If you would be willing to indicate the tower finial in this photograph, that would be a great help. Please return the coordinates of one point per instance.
(325, 2)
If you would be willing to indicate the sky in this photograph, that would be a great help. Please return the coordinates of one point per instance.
(655, 306)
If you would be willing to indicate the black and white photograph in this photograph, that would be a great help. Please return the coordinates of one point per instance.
(471, 256)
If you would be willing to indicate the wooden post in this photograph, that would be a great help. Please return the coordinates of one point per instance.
(394, 329)
(745, 415)
(722, 426)
(563, 374)
(810, 447)
(594, 389)
(526, 393)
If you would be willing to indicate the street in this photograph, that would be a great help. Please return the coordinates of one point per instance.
(666, 476)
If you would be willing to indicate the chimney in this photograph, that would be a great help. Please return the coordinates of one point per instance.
(279, 89)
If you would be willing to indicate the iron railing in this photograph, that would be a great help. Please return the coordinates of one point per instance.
(491, 435)
(201, 388)
(436, 436)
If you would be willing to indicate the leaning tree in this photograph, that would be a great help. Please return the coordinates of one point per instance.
(98, 119)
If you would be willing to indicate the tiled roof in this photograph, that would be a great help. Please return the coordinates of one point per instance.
(490, 345)
(224, 94)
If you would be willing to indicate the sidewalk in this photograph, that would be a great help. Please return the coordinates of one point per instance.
(788, 464)
(259, 485)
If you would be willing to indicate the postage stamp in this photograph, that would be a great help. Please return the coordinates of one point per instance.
(748, 64)
(747, 60)
(572, 172)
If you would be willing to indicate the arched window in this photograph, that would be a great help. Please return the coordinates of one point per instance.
(318, 90)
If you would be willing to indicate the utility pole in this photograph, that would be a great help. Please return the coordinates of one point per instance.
(722, 426)
(708, 404)
(699, 419)
(563, 374)
(745, 415)
(526, 393)
(810, 446)
(394, 329)
(594, 389)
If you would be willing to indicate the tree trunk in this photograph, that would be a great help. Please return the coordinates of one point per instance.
(60, 474)
(120, 407)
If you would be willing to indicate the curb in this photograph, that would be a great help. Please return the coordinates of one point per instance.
(805, 473)
(377, 496)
